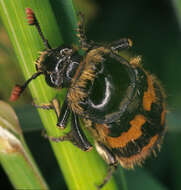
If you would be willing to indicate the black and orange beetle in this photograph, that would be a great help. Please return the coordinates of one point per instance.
(122, 105)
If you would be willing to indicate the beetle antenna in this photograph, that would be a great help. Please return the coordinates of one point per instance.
(32, 20)
(18, 89)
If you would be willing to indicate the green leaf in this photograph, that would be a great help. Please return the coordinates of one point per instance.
(14, 154)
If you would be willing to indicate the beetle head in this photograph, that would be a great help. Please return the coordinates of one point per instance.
(54, 64)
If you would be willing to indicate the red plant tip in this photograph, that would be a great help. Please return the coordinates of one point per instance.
(16, 92)
(30, 16)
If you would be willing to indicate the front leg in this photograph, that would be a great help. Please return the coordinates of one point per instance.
(54, 105)
(81, 33)
(76, 135)
(65, 111)
(110, 159)
(63, 117)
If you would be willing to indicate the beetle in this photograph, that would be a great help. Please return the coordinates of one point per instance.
(120, 103)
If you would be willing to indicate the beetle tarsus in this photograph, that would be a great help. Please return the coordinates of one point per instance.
(110, 172)
(66, 137)
(121, 44)
(43, 106)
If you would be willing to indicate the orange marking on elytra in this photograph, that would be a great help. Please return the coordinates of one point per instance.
(132, 134)
(149, 96)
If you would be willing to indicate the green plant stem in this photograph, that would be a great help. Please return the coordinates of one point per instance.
(82, 170)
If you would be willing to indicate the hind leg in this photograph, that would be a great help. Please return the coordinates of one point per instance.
(110, 159)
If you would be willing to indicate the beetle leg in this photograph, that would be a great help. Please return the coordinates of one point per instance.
(110, 171)
(63, 117)
(81, 33)
(109, 157)
(76, 135)
(56, 139)
(64, 110)
(121, 44)
(79, 139)
(54, 104)
(43, 106)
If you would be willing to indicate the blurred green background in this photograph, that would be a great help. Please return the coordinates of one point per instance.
(155, 28)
